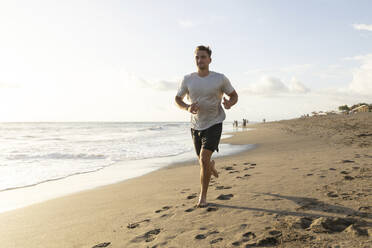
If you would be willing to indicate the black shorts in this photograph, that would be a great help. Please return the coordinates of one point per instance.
(208, 138)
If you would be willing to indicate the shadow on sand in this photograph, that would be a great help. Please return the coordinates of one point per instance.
(305, 203)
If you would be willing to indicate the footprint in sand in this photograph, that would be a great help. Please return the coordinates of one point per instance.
(237, 243)
(273, 199)
(200, 236)
(102, 245)
(212, 209)
(225, 197)
(242, 226)
(203, 236)
(192, 196)
(163, 209)
(234, 171)
(310, 174)
(189, 210)
(243, 177)
(267, 241)
(228, 168)
(344, 172)
(332, 194)
(365, 208)
(245, 238)
(136, 224)
(166, 215)
(271, 240)
(132, 225)
(215, 240)
(249, 235)
(349, 178)
(347, 161)
(222, 187)
(147, 237)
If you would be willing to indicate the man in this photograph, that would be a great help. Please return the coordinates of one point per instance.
(205, 90)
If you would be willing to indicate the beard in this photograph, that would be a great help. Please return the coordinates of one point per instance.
(202, 67)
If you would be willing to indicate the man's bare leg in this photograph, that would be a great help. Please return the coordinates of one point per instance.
(213, 169)
(205, 175)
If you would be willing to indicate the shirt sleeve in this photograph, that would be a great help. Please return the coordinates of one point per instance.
(226, 86)
(182, 89)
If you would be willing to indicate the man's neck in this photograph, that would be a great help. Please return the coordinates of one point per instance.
(203, 73)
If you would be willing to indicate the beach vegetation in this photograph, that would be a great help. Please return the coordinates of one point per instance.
(344, 108)
(356, 108)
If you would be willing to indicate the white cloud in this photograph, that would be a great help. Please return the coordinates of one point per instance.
(269, 86)
(166, 85)
(254, 72)
(362, 76)
(161, 85)
(367, 27)
(292, 69)
(297, 87)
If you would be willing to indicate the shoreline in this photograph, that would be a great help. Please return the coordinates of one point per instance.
(292, 190)
(52, 189)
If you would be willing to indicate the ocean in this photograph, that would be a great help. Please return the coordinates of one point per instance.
(40, 153)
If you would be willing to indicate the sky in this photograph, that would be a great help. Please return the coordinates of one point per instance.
(124, 60)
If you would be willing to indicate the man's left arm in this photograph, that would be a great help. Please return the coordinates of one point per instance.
(233, 99)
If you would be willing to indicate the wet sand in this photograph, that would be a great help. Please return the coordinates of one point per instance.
(306, 184)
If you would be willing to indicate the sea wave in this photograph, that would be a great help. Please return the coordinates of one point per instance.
(155, 128)
(57, 155)
(36, 182)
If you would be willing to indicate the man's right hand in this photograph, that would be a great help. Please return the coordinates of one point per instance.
(193, 108)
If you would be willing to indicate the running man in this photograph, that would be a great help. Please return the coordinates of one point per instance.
(205, 90)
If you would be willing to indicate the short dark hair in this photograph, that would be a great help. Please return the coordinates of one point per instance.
(204, 48)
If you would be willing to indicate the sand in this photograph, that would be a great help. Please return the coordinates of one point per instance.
(306, 184)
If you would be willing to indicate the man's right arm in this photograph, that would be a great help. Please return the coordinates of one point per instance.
(193, 108)
(181, 104)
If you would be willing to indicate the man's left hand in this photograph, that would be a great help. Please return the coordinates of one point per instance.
(226, 103)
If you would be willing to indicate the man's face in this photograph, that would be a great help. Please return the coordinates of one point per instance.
(202, 60)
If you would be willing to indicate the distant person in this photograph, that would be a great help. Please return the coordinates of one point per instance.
(205, 90)
(264, 120)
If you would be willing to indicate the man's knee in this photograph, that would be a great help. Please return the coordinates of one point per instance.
(205, 157)
(203, 161)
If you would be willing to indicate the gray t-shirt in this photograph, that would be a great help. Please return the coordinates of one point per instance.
(208, 92)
